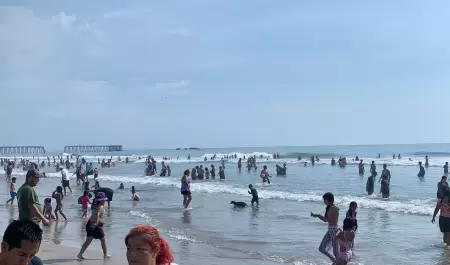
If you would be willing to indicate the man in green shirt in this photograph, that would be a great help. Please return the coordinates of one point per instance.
(28, 201)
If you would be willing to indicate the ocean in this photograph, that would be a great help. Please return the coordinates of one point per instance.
(280, 230)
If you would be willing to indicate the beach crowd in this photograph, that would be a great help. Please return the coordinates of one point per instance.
(22, 238)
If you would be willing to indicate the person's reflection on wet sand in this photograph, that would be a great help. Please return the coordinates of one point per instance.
(57, 231)
(186, 217)
(11, 211)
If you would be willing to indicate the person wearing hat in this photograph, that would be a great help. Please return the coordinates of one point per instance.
(28, 201)
(94, 227)
(109, 193)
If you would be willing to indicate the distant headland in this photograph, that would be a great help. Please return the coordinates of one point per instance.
(190, 148)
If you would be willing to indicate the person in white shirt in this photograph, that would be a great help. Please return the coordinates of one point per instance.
(65, 180)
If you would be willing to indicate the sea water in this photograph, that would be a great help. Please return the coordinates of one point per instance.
(280, 230)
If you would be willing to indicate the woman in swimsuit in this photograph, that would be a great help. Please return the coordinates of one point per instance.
(346, 236)
(443, 206)
(186, 189)
(146, 247)
(94, 227)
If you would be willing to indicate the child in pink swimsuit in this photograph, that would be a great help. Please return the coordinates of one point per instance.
(346, 236)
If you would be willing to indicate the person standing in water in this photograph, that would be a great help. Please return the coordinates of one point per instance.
(373, 167)
(443, 208)
(134, 195)
(240, 164)
(384, 189)
(445, 168)
(94, 227)
(370, 184)
(58, 196)
(346, 237)
(361, 167)
(331, 217)
(386, 173)
(254, 194)
(265, 175)
(186, 189)
(421, 171)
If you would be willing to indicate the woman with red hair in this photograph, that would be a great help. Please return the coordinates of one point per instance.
(146, 247)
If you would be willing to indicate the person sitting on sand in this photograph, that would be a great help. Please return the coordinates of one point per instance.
(146, 247)
(94, 227)
(20, 243)
(134, 195)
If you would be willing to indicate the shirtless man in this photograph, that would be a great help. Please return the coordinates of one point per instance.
(331, 217)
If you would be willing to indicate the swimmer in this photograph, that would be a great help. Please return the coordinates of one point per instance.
(134, 195)
(121, 186)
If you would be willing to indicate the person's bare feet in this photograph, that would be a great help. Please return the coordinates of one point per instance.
(107, 256)
(79, 256)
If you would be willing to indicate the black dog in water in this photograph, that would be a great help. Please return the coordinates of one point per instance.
(239, 204)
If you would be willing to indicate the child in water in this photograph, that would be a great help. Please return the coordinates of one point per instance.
(134, 195)
(371, 183)
(85, 201)
(58, 196)
(48, 213)
(345, 236)
(351, 213)
(12, 190)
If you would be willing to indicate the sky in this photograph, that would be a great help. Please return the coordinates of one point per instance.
(166, 74)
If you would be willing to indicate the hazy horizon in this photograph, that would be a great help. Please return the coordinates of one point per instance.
(231, 73)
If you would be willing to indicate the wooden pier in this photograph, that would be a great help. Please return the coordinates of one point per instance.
(92, 148)
(22, 150)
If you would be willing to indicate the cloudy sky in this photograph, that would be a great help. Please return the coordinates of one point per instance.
(156, 74)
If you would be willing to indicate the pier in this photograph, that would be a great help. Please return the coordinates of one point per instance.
(92, 148)
(22, 150)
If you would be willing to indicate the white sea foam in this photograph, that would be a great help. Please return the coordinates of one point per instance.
(261, 157)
